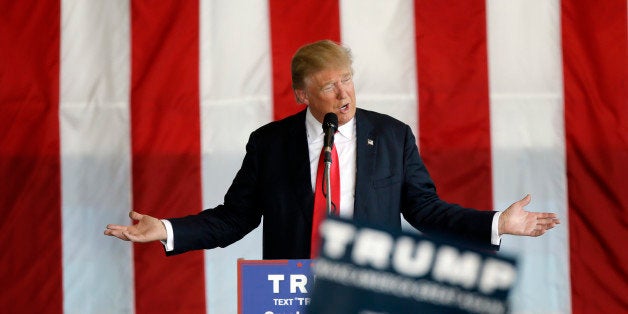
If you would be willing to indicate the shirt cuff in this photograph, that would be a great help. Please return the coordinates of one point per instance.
(169, 243)
(496, 239)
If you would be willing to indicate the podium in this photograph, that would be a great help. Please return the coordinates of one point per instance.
(363, 269)
(274, 286)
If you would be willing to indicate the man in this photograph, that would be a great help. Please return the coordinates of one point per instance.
(381, 177)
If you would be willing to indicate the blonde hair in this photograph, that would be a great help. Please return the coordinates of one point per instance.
(317, 56)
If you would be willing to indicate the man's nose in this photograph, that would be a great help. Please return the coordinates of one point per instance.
(341, 91)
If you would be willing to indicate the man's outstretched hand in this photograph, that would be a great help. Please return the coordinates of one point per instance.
(516, 220)
(147, 229)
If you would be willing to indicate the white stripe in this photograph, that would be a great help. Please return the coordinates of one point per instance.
(235, 99)
(528, 142)
(381, 37)
(94, 123)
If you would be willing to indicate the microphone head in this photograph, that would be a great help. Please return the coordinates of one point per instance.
(330, 122)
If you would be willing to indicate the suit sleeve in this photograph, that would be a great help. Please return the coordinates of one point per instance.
(226, 223)
(424, 210)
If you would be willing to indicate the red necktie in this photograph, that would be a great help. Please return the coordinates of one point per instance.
(320, 202)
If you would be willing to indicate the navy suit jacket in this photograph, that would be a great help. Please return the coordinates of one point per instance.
(274, 183)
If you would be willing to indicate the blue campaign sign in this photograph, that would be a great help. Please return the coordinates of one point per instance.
(274, 286)
(362, 269)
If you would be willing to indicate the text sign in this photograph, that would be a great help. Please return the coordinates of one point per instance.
(274, 286)
(363, 269)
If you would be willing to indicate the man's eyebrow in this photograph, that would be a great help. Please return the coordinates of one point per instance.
(342, 76)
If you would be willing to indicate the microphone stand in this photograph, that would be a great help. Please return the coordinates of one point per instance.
(330, 127)
(327, 180)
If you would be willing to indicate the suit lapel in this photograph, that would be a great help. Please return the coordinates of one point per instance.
(299, 166)
(299, 163)
(366, 141)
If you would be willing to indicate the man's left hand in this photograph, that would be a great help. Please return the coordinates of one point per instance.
(516, 220)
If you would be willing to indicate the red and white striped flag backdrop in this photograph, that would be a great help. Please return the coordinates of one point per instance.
(108, 105)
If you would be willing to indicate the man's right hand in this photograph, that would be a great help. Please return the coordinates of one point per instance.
(147, 229)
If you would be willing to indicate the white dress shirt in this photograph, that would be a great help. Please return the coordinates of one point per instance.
(345, 143)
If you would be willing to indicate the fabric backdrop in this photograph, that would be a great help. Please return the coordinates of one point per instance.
(109, 105)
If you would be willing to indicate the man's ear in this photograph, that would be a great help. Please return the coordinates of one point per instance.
(301, 96)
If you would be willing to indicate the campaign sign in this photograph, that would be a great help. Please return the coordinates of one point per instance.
(274, 286)
(368, 270)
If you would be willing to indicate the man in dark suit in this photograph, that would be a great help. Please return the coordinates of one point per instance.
(381, 177)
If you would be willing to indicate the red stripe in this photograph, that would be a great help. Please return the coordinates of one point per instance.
(454, 120)
(30, 174)
(595, 63)
(293, 24)
(165, 128)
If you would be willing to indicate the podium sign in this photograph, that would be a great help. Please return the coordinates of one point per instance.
(368, 270)
(363, 269)
(274, 286)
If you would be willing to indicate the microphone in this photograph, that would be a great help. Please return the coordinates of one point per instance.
(330, 126)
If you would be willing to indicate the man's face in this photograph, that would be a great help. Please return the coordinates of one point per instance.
(329, 91)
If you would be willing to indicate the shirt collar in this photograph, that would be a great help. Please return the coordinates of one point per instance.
(314, 128)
